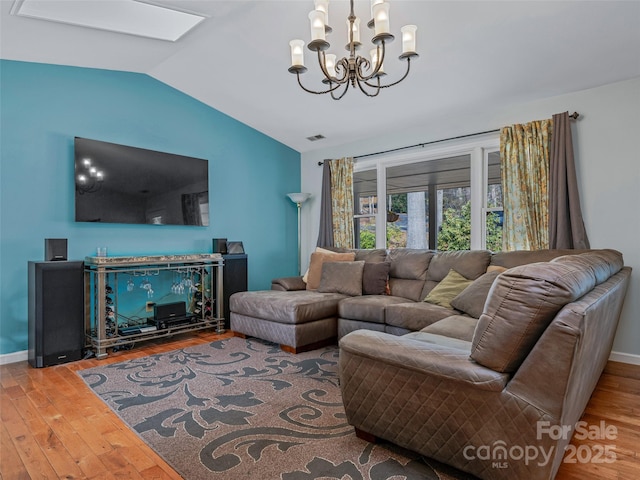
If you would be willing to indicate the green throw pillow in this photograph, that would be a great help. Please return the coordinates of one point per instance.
(448, 289)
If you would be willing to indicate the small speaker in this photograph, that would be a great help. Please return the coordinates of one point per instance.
(219, 245)
(55, 249)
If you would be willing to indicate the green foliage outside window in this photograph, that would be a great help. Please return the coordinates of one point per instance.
(455, 232)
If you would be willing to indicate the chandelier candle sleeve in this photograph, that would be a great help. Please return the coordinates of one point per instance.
(381, 18)
(374, 61)
(373, 4)
(355, 29)
(323, 6)
(331, 64)
(297, 53)
(409, 38)
(316, 18)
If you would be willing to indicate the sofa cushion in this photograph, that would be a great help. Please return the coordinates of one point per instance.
(368, 308)
(441, 340)
(455, 326)
(472, 299)
(295, 307)
(408, 272)
(315, 266)
(521, 304)
(448, 289)
(342, 277)
(305, 277)
(524, 257)
(415, 316)
(375, 277)
(468, 263)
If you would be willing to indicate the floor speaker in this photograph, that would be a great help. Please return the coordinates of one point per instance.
(235, 280)
(55, 249)
(56, 312)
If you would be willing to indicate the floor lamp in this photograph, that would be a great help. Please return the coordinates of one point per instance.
(299, 199)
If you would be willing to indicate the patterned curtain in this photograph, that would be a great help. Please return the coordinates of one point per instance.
(524, 154)
(342, 202)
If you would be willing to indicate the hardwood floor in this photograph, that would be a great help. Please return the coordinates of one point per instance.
(54, 427)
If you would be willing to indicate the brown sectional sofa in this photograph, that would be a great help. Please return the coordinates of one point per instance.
(450, 384)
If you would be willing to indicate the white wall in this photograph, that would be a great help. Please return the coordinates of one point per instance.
(607, 160)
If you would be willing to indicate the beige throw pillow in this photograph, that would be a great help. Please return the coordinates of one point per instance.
(321, 250)
(315, 266)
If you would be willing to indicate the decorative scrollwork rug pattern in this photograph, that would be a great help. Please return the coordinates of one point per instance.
(243, 408)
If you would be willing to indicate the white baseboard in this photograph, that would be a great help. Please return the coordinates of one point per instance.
(14, 357)
(625, 358)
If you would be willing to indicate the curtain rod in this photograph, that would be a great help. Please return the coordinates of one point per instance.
(573, 116)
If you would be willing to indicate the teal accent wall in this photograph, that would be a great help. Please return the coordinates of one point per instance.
(43, 107)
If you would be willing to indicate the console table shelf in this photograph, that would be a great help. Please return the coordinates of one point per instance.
(122, 294)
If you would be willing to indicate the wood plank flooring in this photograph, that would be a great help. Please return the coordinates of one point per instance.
(54, 427)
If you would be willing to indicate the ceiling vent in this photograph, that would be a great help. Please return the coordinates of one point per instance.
(315, 138)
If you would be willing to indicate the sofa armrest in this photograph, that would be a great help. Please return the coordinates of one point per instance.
(288, 283)
(438, 361)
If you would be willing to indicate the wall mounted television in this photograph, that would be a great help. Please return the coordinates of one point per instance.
(123, 184)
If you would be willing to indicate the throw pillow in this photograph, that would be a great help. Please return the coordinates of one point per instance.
(342, 277)
(447, 289)
(472, 299)
(315, 266)
(321, 250)
(374, 278)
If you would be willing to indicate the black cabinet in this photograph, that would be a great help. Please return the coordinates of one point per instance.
(56, 312)
(235, 280)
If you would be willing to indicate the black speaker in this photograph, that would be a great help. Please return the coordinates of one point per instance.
(55, 249)
(56, 312)
(220, 245)
(235, 279)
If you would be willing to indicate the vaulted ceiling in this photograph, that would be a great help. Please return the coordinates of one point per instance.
(475, 56)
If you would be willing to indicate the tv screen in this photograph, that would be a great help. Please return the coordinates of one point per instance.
(123, 184)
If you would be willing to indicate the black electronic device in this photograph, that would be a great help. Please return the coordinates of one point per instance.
(122, 184)
(55, 249)
(167, 311)
(56, 312)
(137, 329)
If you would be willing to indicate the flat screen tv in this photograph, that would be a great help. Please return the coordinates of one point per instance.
(123, 184)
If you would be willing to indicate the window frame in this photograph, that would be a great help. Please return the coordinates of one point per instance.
(477, 147)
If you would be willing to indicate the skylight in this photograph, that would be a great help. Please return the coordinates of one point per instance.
(122, 16)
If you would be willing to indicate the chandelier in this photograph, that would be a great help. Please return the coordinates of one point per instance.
(88, 178)
(355, 70)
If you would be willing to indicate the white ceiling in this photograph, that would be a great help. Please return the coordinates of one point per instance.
(474, 56)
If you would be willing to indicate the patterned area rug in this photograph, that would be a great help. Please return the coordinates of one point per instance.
(241, 408)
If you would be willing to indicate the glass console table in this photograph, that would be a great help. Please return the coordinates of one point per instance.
(131, 299)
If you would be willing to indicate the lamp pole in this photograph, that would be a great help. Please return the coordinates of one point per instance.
(299, 199)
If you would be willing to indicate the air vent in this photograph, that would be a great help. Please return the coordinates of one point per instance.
(315, 138)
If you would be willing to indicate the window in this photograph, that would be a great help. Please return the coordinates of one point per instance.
(444, 198)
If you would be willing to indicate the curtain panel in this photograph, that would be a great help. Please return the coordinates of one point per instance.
(524, 153)
(325, 232)
(566, 225)
(342, 202)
